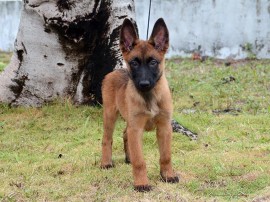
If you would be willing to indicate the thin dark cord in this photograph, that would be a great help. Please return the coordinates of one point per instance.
(148, 19)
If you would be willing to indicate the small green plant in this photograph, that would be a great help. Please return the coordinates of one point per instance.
(249, 48)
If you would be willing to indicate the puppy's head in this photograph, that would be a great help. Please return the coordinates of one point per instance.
(144, 58)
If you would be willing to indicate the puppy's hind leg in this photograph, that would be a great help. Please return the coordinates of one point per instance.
(109, 119)
(125, 138)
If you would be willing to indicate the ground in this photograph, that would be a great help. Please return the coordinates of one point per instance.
(53, 153)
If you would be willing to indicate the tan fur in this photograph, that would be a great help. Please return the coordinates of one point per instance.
(140, 113)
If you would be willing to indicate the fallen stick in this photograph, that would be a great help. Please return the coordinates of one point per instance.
(181, 129)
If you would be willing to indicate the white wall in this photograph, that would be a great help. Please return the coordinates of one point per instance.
(220, 27)
(10, 12)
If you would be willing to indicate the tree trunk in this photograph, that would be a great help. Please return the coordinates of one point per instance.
(64, 49)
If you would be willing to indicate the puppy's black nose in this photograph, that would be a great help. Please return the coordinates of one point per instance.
(144, 84)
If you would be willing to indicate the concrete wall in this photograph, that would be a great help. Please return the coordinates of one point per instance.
(219, 28)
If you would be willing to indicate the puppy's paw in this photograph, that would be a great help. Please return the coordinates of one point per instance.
(107, 166)
(142, 188)
(174, 179)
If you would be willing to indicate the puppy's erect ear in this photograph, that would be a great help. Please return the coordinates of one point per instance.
(160, 36)
(128, 36)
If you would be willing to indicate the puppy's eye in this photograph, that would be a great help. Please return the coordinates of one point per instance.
(153, 63)
(134, 63)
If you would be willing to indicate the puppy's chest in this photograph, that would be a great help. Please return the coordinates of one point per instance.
(152, 106)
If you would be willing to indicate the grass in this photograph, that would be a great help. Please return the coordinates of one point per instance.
(4, 59)
(53, 153)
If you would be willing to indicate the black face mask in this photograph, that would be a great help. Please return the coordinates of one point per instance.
(144, 74)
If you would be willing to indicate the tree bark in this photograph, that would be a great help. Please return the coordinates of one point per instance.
(64, 49)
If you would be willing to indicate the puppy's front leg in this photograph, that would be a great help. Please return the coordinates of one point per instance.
(109, 119)
(164, 137)
(135, 131)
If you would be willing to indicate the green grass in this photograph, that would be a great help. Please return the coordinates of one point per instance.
(229, 162)
(4, 59)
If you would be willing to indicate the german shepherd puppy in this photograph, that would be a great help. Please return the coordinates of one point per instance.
(140, 93)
